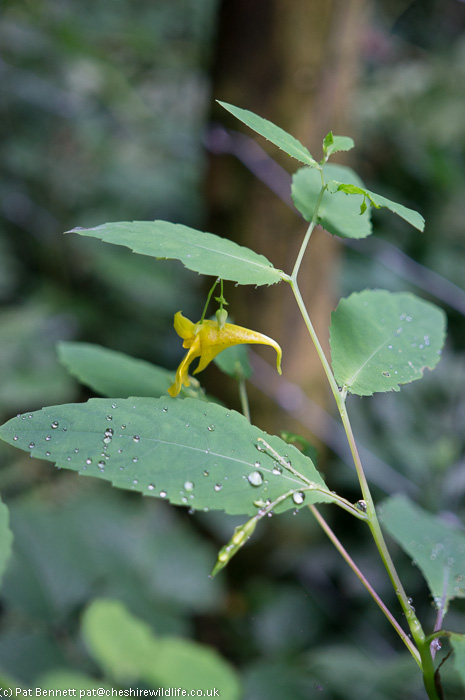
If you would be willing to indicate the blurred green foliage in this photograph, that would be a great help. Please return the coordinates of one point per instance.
(103, 106)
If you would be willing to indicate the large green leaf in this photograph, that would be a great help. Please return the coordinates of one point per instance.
(6, 538)
(436, 547)
(338, 213)
(198, 251)
(190, 452)
(112, 373)
(280, 138)
(127, 650)
(377, 200)
(380, 340)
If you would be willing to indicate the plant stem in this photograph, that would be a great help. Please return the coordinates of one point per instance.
(208, 299)
(341, 549)
(304, 245)
(244, 399)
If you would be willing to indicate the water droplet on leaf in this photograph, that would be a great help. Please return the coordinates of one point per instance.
(255, 478)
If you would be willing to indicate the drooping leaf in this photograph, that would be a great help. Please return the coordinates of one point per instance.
(199, 251)
(436, 547)
(333, 144)
(112, 373)
(127, 649)
(458, 643)
(380, 340)
(6, 538)
(338, 214)
(410, 215)
(192, 453)
(280, 138)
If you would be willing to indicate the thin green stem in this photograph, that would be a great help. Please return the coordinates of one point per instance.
(244, 399)
(304, 245)
(208, 300)
(344, 553)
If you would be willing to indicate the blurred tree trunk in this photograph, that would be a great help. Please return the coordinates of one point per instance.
(293, 62)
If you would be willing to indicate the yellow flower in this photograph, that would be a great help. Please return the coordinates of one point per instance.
(206, 340)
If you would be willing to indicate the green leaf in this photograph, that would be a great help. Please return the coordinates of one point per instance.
(201, 252)
(436, 547)
(112, 373)
(380, 340)
(458, 643)
(128, 650)
(338, 214)
(377, 200)
(280, 138)
(333, 144)
(234, 361)
(193, 453)
(6, 538)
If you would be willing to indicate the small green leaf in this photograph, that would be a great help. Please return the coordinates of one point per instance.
(333, 144)
(380, 340)
(338, 214)
(192, 453)
(6, 538)
(234, 361)
(128, 651)
(112, 373)
(409, 215)
(280, 138)
(458, 643)
(436, 547)
(201, 252)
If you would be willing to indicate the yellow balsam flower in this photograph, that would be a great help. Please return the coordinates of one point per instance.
(206, 340)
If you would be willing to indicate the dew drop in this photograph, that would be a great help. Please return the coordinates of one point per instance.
(257, 464)
(76, 451)
(277, 469)
(298, 497)
(255, 478)
(217, 487)
(123, 427)
(135, 459)
(150, 487)
(113, 405)
(101, 464)
(386, 374)
(206, 472)
(16, 437)
(109, 417)
(211, 428)
(189, 485)
(361, 505)
(163, 494)
(135, 481)
(48, 437)
(88, 460)
(47, 454)
(260, 447)
(107, 439)
(136, 438)
(165, 410)
(55, 424)
(31, 445)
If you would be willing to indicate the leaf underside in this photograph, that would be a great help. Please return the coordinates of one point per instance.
(195, 454)
(436, 547)
(338, 214)
(277, 136)
(380, 340)
(199, 251)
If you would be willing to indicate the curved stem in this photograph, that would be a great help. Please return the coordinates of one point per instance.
(244, 399)
(341, 549)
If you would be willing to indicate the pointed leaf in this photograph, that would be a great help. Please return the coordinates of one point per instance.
(6, 538)
(377, 200)
(201, 252)
(436, 547)
(193, 453)
(280, 138)
(112, 373)
(338, 214)
(380, 340)
(333, 144)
